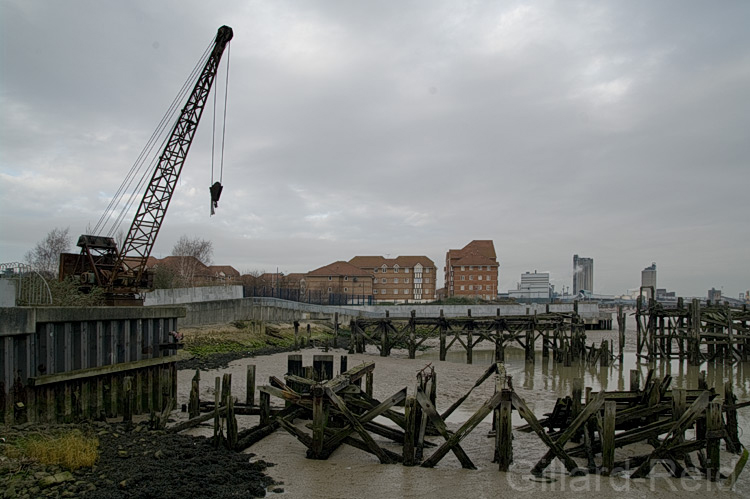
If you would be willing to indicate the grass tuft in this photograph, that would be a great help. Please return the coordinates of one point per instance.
(70, 449)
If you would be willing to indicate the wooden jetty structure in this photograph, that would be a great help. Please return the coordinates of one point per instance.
(693, 331)
(562, 333)
(71, 364)
(683, 427)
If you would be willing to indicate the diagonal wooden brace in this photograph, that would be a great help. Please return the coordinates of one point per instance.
(672, 438)
(439, 424)
(464, 430)
(337, 439)
(528, 415)
(591, 408)
(366, 438)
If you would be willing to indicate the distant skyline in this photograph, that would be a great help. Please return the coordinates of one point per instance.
(613, 130)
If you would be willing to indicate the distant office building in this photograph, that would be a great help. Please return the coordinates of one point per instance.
(533, 288)
(648, 280)
(583, 274)
(472, 271)
(714, 295)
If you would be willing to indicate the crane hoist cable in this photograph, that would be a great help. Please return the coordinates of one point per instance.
(217, 187)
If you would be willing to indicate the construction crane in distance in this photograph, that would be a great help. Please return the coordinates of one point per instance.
(122, 272)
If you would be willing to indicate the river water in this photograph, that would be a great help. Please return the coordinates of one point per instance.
(351, 473)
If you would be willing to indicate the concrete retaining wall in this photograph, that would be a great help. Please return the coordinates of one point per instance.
(192, 295)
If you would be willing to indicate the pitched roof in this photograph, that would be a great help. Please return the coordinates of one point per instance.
(228, 270)
(372, 262)
(339, 268)
(479, 248)
(181, 263)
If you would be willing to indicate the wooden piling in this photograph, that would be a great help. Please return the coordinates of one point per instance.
(217, 404)
(127, 400)
(265, 408)
(336, 330)
(323, 367)
(250, 385)
(608, 437)
(635, 380)
(410, 430)
(714, 433)
(318, 422)
(443, 333)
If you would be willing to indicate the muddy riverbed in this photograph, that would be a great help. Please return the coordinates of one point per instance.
(352, 473)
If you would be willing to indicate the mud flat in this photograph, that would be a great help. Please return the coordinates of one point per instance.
(352, 473)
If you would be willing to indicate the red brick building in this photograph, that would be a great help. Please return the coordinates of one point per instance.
(337, 278)
(472, 271)
(401, 279)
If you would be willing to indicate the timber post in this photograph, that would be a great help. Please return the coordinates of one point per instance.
(250, 385)
(443, 332)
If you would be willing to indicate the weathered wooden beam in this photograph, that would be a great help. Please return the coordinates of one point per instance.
(489, 372)
(93, 372)
(340, 435)
(592, 407)
(672, 438)
(366, 438)
(437, 421)
(464, 430)
(528, 415)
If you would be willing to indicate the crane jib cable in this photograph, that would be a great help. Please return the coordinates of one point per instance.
(142, 168)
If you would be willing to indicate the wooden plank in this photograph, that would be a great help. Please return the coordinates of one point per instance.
(98, 371)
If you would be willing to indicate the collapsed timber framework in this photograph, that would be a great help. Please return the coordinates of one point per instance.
(693, 331)
(323, 412)
(562, 333)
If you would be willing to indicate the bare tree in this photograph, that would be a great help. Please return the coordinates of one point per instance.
(201, 249)
(197, 251)
(45, 257)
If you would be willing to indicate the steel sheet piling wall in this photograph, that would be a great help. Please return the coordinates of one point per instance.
(69, 363)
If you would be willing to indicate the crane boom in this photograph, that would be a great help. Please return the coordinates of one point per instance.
(122, 273)
(148, 219)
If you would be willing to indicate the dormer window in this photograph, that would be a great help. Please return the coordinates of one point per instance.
(395, 268)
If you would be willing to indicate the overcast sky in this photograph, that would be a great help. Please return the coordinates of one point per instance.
(618, 131)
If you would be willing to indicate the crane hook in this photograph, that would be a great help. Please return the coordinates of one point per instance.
(215, 195)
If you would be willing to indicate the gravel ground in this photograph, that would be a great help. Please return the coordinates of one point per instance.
(138, 463)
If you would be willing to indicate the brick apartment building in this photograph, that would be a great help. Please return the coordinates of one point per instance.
(401, 279)
(337, 278)
(472, 271)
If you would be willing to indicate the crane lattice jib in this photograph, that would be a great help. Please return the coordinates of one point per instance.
(142, 234)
